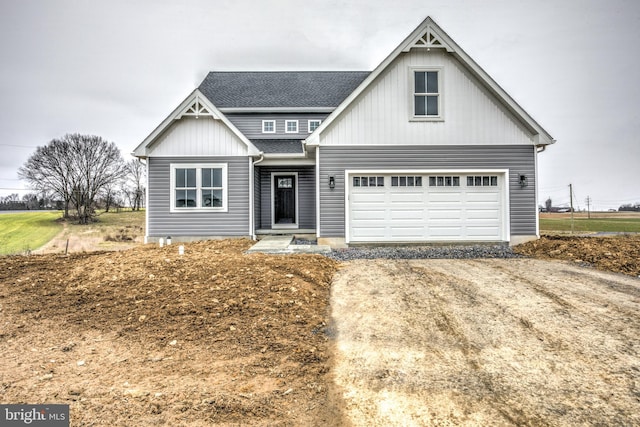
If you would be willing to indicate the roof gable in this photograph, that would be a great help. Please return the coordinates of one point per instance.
(296, 90)
(428, 35)
(195, 105)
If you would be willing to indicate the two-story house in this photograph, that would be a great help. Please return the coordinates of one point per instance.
(424, 148)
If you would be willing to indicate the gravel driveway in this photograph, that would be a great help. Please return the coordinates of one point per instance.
(486, 342)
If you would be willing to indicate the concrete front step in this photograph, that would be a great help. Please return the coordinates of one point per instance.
(282, 245)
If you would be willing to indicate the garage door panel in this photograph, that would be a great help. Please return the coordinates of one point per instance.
(492, 197)
(446, 231)
(408, 231)
(444, 214)
(482, 231)
(369, 214)
(436, 213)
(412, 198)
(371, 198)
(439, 197)
(407, 214)
(369, 233)
(483, 213)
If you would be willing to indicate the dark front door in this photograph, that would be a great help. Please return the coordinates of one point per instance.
(284, 199)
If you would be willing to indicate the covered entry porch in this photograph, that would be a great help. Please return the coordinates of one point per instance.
(285, 201)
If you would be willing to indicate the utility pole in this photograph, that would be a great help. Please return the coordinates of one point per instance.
(571, 202)
(588, 200)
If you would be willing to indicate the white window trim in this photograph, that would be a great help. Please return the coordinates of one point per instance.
(411, 95)
(269, 131)
(198, 167)
(286, 126)
(313, 121)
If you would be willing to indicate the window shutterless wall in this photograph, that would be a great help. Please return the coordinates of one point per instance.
(205, 222)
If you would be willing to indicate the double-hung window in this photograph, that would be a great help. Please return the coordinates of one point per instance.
(198, 187)
(427, 94)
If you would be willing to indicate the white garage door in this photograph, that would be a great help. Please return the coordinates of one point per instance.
(421, 207)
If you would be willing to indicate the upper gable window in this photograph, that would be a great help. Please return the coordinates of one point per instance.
(427, 94)
(291, 126)
(313, 125)
(268, 126)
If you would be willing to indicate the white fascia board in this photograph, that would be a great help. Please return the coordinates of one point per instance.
(452, 47)
(287, 162)
(141, 150)
(544, 137)
(277, 109)
(313, 139)
(285, 156)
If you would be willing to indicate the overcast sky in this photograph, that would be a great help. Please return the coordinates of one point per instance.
(117, 68)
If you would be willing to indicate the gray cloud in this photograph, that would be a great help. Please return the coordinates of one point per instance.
(117, 68)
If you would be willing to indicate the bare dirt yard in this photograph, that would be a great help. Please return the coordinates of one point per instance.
(619, 253)
(147, 337)
(486, 342)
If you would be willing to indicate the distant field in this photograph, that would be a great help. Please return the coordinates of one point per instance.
(622, 222)
(40, 231)
(26, 231)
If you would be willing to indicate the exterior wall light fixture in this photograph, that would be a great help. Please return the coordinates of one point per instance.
(523, 181)
(332, 182)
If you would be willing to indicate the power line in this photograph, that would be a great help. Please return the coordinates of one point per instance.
(19, 146)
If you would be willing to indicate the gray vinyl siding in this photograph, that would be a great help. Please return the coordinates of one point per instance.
(234, 222)
(306, 196)
(519, 159)
(251, 124)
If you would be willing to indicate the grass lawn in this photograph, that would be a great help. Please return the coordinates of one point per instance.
(26, 231)
(21, 232)
(584, 225)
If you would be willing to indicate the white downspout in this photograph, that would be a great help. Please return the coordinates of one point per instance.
(317, 192)
(252, 223)
(146, 201)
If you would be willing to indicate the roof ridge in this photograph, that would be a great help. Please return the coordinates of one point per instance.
(287, 71)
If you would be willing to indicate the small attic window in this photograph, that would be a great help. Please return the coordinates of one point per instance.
(291, 126)
(313, 125)
(268, 126)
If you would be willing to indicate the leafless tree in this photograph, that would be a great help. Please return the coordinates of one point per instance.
(134, 187)
(30, 201)
(75, 168)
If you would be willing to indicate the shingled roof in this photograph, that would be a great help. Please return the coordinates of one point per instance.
(280, 146)
(280, 89)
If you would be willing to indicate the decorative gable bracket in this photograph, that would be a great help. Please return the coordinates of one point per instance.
(196, 109)
(428, 40)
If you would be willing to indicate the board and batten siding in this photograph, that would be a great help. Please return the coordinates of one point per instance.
(518, 159)
(234, 222)
(306, 195)
(204, 136)
(382, 113)
(251, 124)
